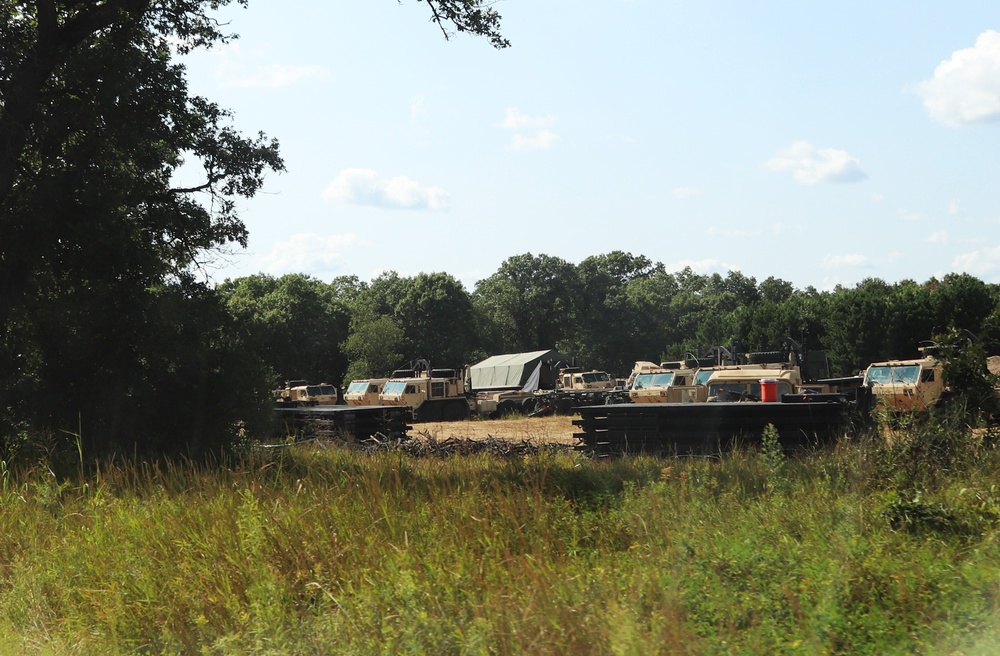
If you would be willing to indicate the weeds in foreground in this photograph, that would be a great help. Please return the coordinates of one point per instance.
(305, 551)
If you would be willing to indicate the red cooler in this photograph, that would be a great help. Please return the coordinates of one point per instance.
(769, 390)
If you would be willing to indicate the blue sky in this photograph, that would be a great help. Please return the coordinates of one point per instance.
(821, 143)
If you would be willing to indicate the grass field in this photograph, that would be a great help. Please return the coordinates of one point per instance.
(858, 549)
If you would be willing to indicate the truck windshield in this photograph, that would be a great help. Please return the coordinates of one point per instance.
(701, 378)
(357, 387)
(889, 374)
(646, 381)
(394, 387)
(596, 377)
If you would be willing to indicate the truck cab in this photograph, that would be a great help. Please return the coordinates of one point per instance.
(906, 385)
(744, 384)
(298, 393)
(364, 392)
(573, 378)
(668, 382)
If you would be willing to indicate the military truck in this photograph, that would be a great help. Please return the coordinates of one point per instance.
(666, 382)
(431, 394)
(364, 392)
(298, 393)
(907, 385)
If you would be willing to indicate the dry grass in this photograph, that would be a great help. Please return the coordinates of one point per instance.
(536, 430)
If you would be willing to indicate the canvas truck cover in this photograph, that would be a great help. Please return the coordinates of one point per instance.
(528, 371)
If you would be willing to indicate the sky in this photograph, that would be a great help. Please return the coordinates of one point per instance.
(820, 143)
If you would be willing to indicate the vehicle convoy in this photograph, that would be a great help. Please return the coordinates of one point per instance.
(531, 383)
(787, 390)
(536, 383)
(723, 375)
(298, 393)
(364, 392)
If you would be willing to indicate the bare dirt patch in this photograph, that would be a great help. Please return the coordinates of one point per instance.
(535, 430)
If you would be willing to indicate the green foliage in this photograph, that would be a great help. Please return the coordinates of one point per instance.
(103, 232)
(293, 551)
(296, 322)
(529, 303)
(971, 385)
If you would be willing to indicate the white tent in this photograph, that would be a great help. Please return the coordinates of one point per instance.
(528, 371)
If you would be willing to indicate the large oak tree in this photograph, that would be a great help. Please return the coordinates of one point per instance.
(98, 244)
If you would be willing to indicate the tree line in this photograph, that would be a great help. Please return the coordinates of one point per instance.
(607, 312)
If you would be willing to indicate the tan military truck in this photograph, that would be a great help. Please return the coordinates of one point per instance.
(364, 392)
(906, 385)
(667, 382)
(298, 393)
(431, 394)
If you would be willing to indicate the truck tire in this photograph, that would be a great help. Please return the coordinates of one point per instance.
(564, 407)
(455, 411)
(429, 411)
(528, 406)
(505, 408)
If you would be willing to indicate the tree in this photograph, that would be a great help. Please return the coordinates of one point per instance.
(431, 313)
(606, 328)
(297, 324)
(530, 303)
(437, 317)
(95, 119)
(375, 348)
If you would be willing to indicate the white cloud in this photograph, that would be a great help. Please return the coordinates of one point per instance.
(707, 265)
(685, 192)
(515, 120)
(966, 88)
(843, 261)
(255, 69)
(714, 231)
(367, 187)
(416, 107)
(625, 139)
(981, 262)
(954, 207)
(277, 76)
(939, 237)
(811, 165)
(782, 229)
(306, 252)
(907, 215)
(542, 140)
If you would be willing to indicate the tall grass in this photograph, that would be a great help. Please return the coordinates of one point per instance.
(304, 551)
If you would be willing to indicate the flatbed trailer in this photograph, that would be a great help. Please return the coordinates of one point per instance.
(801, 421)
(357, 422)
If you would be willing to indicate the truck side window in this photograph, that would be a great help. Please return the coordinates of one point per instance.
(927, 376)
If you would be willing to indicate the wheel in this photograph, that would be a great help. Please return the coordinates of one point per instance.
(564, 406)
(505, 408)
(429, 412)
(528, 406)
(455, 411)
